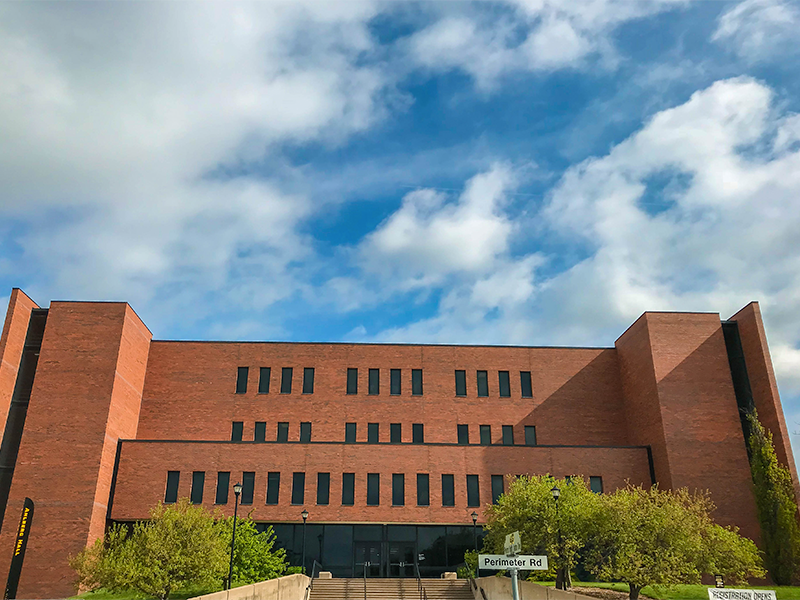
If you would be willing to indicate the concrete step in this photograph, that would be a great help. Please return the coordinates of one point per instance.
(390, 589)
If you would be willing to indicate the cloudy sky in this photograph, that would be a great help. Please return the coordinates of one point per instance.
(530, 172)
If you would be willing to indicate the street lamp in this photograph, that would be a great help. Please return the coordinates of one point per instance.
(304, 514)
(475, 539)
(560, 571)
(237, 489)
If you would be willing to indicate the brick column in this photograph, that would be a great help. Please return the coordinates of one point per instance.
(86, 395)
(11, 342)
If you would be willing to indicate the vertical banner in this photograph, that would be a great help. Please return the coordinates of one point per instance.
(20, 543)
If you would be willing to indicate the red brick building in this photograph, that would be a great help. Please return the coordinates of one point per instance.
(389, 447)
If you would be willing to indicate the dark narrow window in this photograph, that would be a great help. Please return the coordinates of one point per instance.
(486, 435)
(323, 488)
(248, 485)
(504, 384)
(473, 491)
(483, 383)
(448, 490)
(241, 380)
(173, 478)
(398, 489)
(286, 380)
(423, 489)
(263, 380)
(198, 483)
(298, 488)
(348, 489)
(374, 382)
(305, 432)
(372, 432)
(394, 382)
(463, 434)
(373, 489)
(498, 487)
(349, 433)
(283, 432)
(416, 382)
(525, 384)
(237, 428)
(395, 433)
(418, 433)
(530, 435)
(352, 381)
(260, 434)
(308, 380)
(273, 487)
(596, 484)
(223, 484)
(461, 383)
(508, 435)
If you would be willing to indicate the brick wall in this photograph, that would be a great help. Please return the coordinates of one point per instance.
(85, 395)
(11, 342)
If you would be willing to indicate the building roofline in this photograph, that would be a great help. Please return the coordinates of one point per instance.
(410, 344)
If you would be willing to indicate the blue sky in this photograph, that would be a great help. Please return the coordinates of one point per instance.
(530, 172)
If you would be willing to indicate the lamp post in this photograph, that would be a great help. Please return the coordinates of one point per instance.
(237, 489)
(475, 539)
(304, 514)
(560, 570)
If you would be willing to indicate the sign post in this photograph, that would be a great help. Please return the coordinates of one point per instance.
(512, 561)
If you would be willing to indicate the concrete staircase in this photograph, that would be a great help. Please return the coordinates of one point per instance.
(390, 589)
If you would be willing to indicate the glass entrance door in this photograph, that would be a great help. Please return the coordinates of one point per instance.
(401, 559)
(368, 559)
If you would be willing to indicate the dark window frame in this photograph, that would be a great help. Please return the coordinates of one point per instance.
(530, 435)
(198, 485)
(260, 431)
(264, 375)
(423, 489)
(282, 433)
(286, 382)
(525, 384)
(508, 435)
(448, 489)
(350, 433)
(348, 489)
(398, 489)
(248, 486)
(171, 490)
(473, 491)
(596, 481)
(416, 382)
(461, 382)
(463, 434)
(486, 435)
(504, 384)
(323, 489)
(242, 374)
(308, 380)
(305, 432)
(374, 382)
(237, 431)
(482, 383)
(273, 488)
(418, 433)
(498, 487)
(395, 382)
(352, 381)
(373, 489)
(298, 488)
(396, 433)
(223, 486)
(373, 433)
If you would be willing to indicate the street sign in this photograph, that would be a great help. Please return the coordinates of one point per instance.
(737, 594)
(524, 562)
(513, 544)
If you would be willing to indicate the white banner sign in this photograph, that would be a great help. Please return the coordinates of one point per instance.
(733, 594)
(499, 561)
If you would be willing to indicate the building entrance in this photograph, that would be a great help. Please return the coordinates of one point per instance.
(402, 556)
(368, 559)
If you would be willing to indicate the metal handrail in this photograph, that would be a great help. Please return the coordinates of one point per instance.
(366, 568)
(420, 587)
(310, 585)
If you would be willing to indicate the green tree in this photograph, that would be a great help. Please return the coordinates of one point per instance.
(776, 505)
(655, 537)
(561, 532)
(254, 556)
(180, 545)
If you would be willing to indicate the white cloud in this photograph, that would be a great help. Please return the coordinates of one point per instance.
(758, 29)
(536, 35)
(429, 238)
(113, 116)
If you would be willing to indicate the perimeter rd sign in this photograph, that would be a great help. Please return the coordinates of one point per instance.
(524, 562)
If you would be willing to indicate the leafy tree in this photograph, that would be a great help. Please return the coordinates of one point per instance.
(561, 532)
(776, 505)
(179, 546)
(254, 558)
(655, 537)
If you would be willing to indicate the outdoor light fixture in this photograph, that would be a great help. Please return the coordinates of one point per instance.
(304, 514)
(237, 489)
(475, 538)
(556, 492)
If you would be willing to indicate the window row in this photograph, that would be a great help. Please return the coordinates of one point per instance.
(373, 433)
(503, 383)
(395, 382)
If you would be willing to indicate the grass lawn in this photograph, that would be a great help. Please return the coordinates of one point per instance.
(102, 594)
(683, 592)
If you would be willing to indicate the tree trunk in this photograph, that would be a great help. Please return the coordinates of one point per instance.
(634, 593)
(559, 578)
(567, 579)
